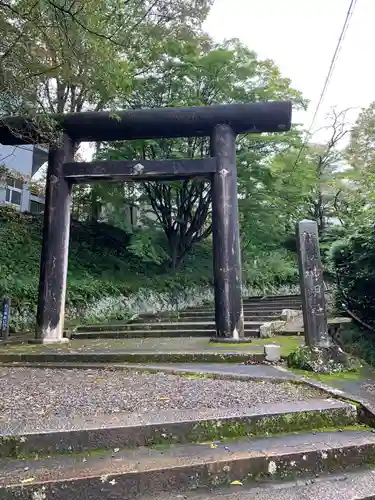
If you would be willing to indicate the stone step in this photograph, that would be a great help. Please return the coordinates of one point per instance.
(140, 332)
(211, 312)
(260, 305)
(204, 317)
(250, 308)
(271, 302)
(170, 427)
(170, 326)
(359, 485)
(119, 334)
(137, 356)
(139, 323)
(290, 299)
(129, 474)
(188, 315)
(270, 298)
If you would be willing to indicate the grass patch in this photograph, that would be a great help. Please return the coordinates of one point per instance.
(288, 343)
(331, 378)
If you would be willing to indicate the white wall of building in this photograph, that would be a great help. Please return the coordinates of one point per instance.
(23, 160)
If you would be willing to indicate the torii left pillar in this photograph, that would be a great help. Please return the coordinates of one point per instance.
(55, 249)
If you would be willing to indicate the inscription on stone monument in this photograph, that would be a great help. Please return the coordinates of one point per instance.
(5, 317)
(312, 285)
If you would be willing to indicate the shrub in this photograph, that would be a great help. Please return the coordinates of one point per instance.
(353, 261)
(114, 274)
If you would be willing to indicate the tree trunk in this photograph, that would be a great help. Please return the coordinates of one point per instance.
(95, 207)
(173, 249)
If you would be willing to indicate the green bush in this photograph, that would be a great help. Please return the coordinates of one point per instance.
(359, 342)
(115, 274)
(265, 270)
(353, 260)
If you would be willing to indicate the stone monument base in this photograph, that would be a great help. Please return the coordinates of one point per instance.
(330, 359)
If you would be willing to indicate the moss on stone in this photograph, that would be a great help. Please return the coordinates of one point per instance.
(279, 424)
(220, 430)
(331, 359)
(10, 446)
(331, 378)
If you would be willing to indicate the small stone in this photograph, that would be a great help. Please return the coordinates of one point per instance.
(272, 468)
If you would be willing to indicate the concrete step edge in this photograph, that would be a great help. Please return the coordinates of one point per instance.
(248, 308)
(179, 325)
(209, 318)
(203, 332)
(135, 357)
(358, 485)
(250, 332)
(172, 427)
(127, 473)
(156, 320)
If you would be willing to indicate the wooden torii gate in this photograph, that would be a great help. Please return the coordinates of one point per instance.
(220, 122)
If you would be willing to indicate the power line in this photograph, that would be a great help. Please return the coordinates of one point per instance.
(328, 77)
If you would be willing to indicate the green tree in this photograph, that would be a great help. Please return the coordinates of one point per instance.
(361, 149)
(197, 71)
(59, 56)
(311, 182)
(360, 200)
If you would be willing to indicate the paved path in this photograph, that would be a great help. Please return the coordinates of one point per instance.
(156, 344)
(249, 371)
(37, 394)
(363, 388)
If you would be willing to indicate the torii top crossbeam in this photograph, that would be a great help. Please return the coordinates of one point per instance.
(155, 123)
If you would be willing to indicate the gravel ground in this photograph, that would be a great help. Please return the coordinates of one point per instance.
(28, 393)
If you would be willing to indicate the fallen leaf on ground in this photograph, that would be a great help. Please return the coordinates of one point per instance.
(236, 483)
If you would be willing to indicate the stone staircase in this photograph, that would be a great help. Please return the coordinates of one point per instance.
(193, 322)
(316, 448)
(317, 443)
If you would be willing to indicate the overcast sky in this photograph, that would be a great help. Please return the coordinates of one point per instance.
(301, 36)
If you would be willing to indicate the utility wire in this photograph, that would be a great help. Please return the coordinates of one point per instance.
(328, 77)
